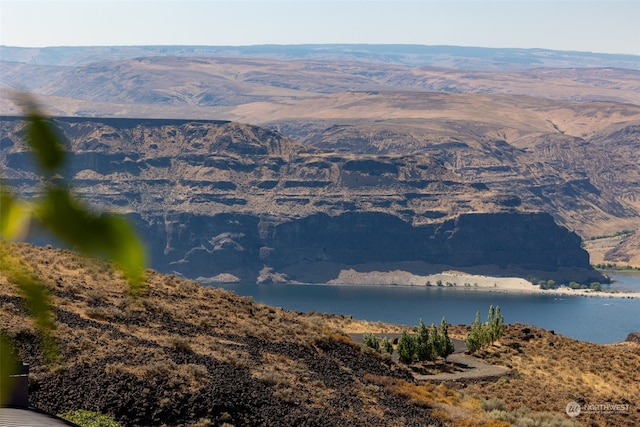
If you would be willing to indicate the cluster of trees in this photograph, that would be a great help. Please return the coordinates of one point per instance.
(610, 266)
(430, 343)
(551, 284)
(544, 284)
(426, 344)
(484, 334)
(616, 234)
(371, 341)
(593, 286)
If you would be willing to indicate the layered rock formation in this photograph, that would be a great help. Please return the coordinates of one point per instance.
(217, 199)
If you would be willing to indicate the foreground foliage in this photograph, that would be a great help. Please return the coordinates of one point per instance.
(59, 212)
(89, 419)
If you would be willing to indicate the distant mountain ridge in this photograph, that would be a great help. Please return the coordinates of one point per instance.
(457, 57)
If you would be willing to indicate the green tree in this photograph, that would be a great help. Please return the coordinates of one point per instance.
(424, 344)
(387, 347)
(494, 325)
(59, 212)
(371, 341)
(436, 343)
(474, 339)
(406, 347)
(492, 315)
(483, 334)
(446, 347)
(497, 327)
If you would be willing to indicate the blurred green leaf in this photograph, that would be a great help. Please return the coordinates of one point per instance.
(58, 211)
(46, 144)
(106, 235)
(14, 217)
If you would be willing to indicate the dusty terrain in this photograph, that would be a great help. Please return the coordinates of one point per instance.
(184, 354)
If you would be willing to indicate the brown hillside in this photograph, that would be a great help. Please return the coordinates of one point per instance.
(553, 370)
(228, 81)
(185, 354)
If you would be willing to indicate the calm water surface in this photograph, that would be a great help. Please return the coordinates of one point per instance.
(600, 320)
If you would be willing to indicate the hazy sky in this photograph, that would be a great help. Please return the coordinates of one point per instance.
(595, 26)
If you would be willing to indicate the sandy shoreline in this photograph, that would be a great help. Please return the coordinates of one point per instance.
(464, 281)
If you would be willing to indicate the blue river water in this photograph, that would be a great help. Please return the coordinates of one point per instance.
(594, 319)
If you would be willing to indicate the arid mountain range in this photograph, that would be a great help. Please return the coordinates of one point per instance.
(538, 131)
(453, 57)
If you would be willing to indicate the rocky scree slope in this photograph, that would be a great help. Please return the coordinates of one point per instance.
(224, 201)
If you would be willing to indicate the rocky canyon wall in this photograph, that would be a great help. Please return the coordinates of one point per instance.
(225, 201)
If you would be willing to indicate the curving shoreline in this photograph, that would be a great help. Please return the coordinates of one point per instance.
(469, 282)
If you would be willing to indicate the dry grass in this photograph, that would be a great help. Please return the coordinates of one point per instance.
(95, 291)
(141, 337)
(291, 380)
(449, 405)
(553, 370)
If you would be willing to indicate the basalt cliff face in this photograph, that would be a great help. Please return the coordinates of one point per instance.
(317, 247)
(218, 200)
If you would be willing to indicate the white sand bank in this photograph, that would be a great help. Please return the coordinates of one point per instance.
(460, 280)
